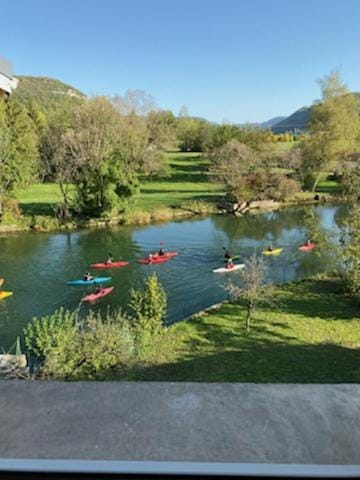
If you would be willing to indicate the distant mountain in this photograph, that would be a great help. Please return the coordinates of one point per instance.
(296, 122)
(51, 94)
(270, 123)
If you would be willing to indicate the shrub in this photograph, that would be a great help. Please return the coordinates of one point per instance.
(98, 346)
(149, 305)
(42, 335)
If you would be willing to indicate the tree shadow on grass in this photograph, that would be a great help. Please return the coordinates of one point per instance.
(189, 173)
(321, 299)
(262, 363)
(38, 208)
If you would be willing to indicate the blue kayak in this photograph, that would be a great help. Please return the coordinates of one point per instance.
(90, 282)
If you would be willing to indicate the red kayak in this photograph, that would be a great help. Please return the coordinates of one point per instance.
(154, 260)
(167, 255)
(92, 297)
(307, 247)
(109, 265)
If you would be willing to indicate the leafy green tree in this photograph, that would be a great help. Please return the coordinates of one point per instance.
(18, 148)
(162, 126)
(351, 252)
(105, 176)
(333, 129)
(350, 182)
(189, 134)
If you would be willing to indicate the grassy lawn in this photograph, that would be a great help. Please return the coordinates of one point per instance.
(328, 186)
(187, 180)
(39, 199)
(313, 337)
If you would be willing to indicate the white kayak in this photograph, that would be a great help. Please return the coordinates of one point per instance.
(239, 266)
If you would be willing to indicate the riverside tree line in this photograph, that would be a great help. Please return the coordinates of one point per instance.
(104, 147)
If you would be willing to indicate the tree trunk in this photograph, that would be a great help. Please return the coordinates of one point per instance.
(317, 178)
(248, 316)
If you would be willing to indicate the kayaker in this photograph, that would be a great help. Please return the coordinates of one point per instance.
(227, 254)
(308, 243)
(230, 263)
(88, 277)
(161, 251)
(270, 248)
(109, 259)
(98, 289)
(151, 258)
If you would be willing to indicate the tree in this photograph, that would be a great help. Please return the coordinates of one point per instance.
(246, 174)
(142, 151)
(333, 128)
(58, 165)
(189, 134)
(162, 128)
(105, 175)
(351, 252)
(18, 148)
(134, 102)
(350, 182)
(254, 289)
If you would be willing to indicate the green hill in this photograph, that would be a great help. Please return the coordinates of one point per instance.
(297, 121)
(51, 95)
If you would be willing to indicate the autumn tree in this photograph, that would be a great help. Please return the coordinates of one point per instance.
(333, 128)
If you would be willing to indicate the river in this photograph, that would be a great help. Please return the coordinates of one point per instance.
(37, 266)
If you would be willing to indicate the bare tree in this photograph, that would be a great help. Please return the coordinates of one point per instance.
(254, 289)
(134, 102)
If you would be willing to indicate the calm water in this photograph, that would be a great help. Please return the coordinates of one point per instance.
(37, 266)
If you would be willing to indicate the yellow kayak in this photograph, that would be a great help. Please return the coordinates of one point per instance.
(276, 251)
(5, 294)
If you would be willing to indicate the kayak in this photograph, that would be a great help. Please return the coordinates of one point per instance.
(276, 251)
(307, 248)
(94, 281)
(167, 255)
(4, 294)
(92, 297)
(239, 266)
(146, 261)
(109, 265)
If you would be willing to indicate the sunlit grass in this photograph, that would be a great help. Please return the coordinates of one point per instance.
(312, 337)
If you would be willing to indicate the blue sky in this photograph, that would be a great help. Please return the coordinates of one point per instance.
(233, 60)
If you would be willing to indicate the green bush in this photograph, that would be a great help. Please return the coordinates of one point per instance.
(43, 335)
(71, 348)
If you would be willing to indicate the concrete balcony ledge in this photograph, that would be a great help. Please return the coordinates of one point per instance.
(181, 422)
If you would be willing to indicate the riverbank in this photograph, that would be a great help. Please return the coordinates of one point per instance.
(185, 190)
(313, 337)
